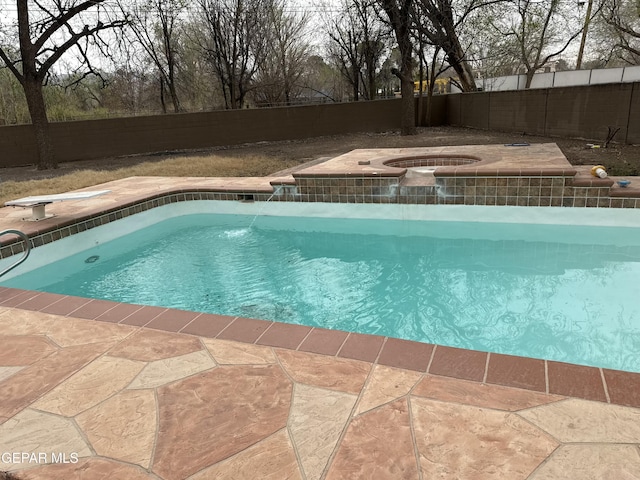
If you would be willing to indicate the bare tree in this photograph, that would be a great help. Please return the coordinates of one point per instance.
(45, 31)
(441, 23)
(372, 46)
(536, 33)
(232, 35)
(321, 81)
(155, 26)
(388, 83)
(623, 18)
(198, 91)
(278, 77)
(345, 36)
(13, 108)
(129, 91)
(400, 14)
(357, 43)
(431, 65)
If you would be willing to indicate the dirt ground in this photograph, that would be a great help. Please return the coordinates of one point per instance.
(618, 159)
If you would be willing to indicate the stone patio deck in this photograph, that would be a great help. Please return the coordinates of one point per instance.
(118, 401)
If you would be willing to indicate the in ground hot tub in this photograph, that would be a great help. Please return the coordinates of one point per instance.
(425, 165)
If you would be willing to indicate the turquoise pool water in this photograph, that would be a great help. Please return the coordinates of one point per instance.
(565, 293)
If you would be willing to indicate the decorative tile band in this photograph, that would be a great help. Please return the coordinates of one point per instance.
(514, 191)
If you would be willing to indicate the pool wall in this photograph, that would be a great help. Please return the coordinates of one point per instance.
(75, 238)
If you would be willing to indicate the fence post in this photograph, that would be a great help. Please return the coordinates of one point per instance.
(626, 133)
(546, 110)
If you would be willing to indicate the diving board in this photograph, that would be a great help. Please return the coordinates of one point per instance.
(39, 202)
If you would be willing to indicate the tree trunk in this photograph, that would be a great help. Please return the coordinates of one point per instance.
(373, 93)
(163, 102)
(399, 16)
(174, 98)
(420, 83)
(171, 63)
(432, 85)
(469, 76)
(40, 122)
(429, 106)
(530, 74)
(355, 73)
(408, 119)
(408, 110)
(463, 69)
(171, 83)
(232, 94)
(585, 30)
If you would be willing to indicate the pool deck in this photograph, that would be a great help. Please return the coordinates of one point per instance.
(145, 403)
(125, 391)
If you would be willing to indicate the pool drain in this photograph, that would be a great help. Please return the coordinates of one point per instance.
(92, 259)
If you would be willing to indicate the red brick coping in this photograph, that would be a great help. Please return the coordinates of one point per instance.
(599, 384)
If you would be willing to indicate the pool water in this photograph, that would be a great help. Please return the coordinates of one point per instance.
(563, 293)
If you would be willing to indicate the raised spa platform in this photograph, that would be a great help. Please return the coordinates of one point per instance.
(533, 175)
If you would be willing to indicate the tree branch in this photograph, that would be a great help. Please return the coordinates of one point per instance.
(11, 65)
(86, 32)
(63, 19)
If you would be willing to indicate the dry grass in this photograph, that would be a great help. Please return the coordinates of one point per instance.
(192, 166)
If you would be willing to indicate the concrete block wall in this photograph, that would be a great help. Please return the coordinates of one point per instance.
(578, 112)
(91, 139)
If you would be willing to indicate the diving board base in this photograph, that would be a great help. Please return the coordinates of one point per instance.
(38, 213)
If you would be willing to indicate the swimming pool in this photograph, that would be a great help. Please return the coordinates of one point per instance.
(538, 289)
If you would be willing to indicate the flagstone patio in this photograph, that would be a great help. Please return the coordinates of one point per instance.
(120, 401)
